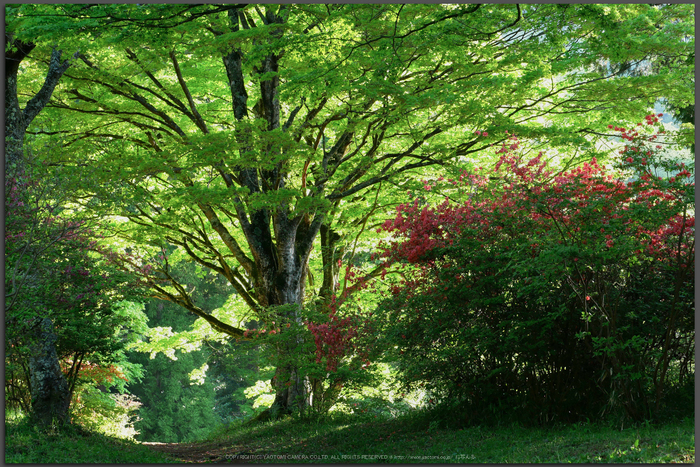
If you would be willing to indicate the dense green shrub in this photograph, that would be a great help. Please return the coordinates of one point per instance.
(551, 296)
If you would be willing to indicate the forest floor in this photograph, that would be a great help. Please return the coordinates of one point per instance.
(401, 441)
(200, 452)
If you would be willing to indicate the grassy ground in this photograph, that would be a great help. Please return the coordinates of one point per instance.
(24, 444)
(342, 439)
(407, 440)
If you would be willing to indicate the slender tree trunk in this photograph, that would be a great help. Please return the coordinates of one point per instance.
(330, 254)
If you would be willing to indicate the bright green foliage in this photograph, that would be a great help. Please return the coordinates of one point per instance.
(414, 80)
(236, 368)
(193, 380)
(259, 139)
(175, 409)
(101, 401)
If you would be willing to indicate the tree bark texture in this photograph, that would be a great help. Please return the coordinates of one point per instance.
(17, 120)
(279, 266)
(50, 393)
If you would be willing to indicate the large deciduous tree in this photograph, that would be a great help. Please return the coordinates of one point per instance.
(249, 135)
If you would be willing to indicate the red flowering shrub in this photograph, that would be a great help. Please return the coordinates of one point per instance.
(564, 294)
(334, 339)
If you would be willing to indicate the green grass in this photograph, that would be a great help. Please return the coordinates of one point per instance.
(25, 444)
(408, 440)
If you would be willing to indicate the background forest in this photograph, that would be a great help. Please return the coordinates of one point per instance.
(225, 213)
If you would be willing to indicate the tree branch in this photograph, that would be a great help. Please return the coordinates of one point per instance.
(196, 117)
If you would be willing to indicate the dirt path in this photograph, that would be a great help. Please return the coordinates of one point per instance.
(199, 453)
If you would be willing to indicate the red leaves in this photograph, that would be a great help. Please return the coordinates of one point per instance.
(531, 199)
(335, 339)
(94, 373)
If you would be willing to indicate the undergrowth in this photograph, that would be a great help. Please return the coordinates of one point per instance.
(71, 444)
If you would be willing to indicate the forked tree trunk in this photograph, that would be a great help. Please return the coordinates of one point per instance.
(279, 267)
(17, 120)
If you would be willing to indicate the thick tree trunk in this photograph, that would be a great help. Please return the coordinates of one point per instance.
(295, 391)
(50, 393)
(292, 391)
